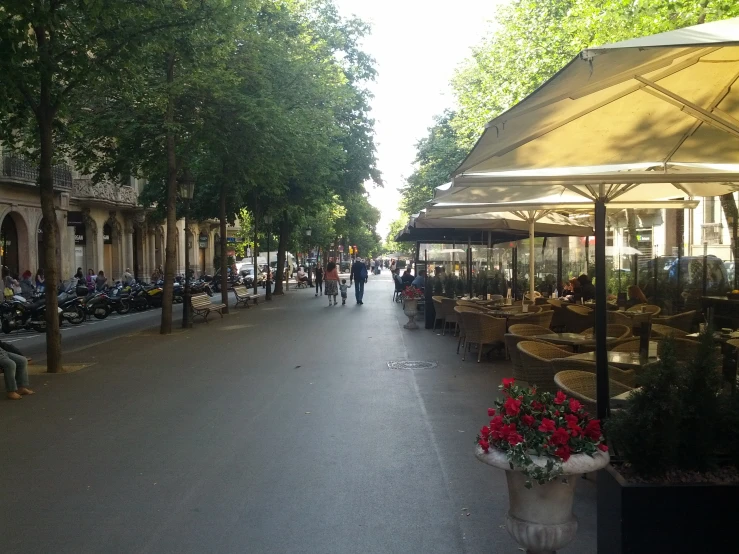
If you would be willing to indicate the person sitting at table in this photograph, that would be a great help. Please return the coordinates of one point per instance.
(587, 290)
(407, 278)
(302, 277)
(572, 290)
(636, 296)
(420, 281)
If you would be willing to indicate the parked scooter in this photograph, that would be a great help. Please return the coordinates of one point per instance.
(71, 305)
(97, 304)
(119, 298)
(19, 313)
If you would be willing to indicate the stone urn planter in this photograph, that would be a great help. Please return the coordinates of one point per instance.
(540, 519)
(410, 308)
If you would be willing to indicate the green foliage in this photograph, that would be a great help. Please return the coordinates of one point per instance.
(390, 245)
(536, 38)
(437, 155)
(679, 418)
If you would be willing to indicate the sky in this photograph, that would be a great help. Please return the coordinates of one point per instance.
(417, 45)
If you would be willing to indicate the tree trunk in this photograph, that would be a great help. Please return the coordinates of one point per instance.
(171, 250)
(51, 239)
(281, 247)
(224, 256)
(45, 117)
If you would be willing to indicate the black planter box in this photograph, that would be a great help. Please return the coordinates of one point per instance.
(639, 518)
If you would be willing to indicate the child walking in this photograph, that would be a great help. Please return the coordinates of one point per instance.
(342, 287)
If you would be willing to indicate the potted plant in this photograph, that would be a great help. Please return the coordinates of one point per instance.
(542, 441)
(673, 483)
(411, 296)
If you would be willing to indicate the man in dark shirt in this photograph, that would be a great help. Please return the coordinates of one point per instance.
(407, 278)
(358, 275)
(587, 290)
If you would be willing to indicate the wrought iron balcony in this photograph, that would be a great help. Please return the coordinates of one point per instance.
(712, 233)
(18, 168)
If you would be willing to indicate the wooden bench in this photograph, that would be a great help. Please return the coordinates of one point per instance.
(202, 306)
(243, 296)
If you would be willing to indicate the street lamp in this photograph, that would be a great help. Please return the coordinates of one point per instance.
(186, 185)
(268, 223)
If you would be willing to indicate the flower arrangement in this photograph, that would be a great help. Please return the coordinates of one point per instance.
(412, 293)
(527, 422)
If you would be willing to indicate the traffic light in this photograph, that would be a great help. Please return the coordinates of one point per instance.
(351, 251)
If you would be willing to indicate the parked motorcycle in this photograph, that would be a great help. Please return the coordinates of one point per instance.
(19, 313)
(119, 298)
(71, 305)
(97, 304)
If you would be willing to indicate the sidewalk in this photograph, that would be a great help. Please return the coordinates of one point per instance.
(278, 429)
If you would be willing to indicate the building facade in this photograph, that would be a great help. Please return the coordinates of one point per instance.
(100, 225)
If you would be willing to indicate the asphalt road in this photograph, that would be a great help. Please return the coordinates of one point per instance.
(278, 429)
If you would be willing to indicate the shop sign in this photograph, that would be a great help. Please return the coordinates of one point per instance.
(230, 239)
(203, 240)
(74, 219)
(79, 235)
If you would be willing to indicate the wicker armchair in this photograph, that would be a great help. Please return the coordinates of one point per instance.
(581, 386)
(438, 313)
(682, 321)
(536, 361)
(482, 330)
(626, 377)
(527, 330)
(578, 318)
(646, 308)
(617, 318)
(614, 330)
(629, 345)
(541, 319)
(662, 331)
(459, 310)
(450, 316)
(559, 319)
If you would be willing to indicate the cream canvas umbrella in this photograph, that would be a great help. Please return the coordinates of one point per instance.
(653, 118)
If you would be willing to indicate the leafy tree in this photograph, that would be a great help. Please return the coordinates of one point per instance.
(390, 245)
(48, 49)
(437, 155)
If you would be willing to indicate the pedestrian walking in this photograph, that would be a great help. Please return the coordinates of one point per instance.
(372, 266)
(342, 287)
(358, 275)
(319, 278)
(15, 368)
(332, 282)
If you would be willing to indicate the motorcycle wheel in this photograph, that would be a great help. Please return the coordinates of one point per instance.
(100, 313)
(124, 306)
(79, 318)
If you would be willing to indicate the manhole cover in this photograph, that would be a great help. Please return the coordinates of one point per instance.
(411, 365)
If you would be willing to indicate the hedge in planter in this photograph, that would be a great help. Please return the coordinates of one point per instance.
(678, 438)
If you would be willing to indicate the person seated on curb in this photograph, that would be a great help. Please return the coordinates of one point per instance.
(15, 368)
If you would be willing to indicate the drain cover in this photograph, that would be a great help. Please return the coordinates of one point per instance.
(411, 365)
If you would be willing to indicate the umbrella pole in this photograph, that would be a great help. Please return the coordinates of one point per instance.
(532, 223)
(601, 319)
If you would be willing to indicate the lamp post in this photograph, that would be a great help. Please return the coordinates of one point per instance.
(186, 186)
(268, 224)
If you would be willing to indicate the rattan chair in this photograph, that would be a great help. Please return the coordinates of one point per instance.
(581, 386)
(545, 307)
(438, 313)
(527, 329)
(626, 377)
(450, 316)
(578, 318)
(536, 362)
(614, 330)
(482, 329)
(559, 319)
(646, 308)
(662, 331)
(682, 321)
(461, 322)
(541, 319)
(629, 345)
(617, 318)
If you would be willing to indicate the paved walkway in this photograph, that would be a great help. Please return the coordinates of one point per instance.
(279, 429)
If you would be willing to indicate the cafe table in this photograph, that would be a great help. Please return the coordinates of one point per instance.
(575, 340)
(621, 360)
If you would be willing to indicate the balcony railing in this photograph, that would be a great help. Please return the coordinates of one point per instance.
(712, 233)
(18, 168)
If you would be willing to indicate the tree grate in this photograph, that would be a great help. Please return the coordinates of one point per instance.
(405, 364)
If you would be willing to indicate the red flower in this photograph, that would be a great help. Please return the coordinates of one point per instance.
(538, 406)
(510, 434)
(512, 406)
(560, 436)
(514, 439)
(575, 405)
(485, 431)
(560, 398)
(592, 429)
(491, 412)
(533, 390)
(485, 445)
(547, 425)
(573, 425)
(528, 420)
(603, 447)
(496, 422)
(507, 382)
(563, 452)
